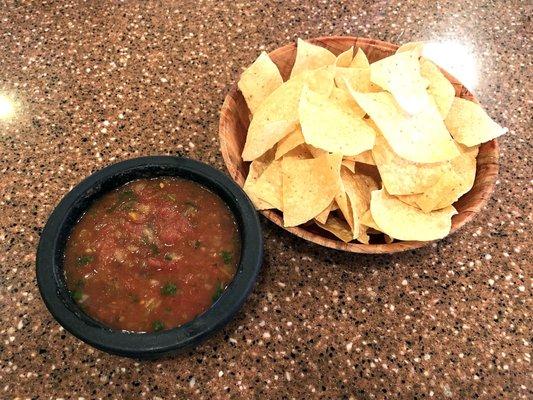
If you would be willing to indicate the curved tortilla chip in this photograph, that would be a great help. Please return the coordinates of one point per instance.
(360, 60)
(346, 102)
(310, 56)
(439, 87)
(331, 126)
(278, 114)
(450, 185)
(289, 142)
(268, 187)
(417, 47)
(309, 186)
(338, 227)
(401, 221)
(420, 138)
(259, 80)
(323, 216)
(345, 58)
(400, 75)
(365, 158)
(257, 167)
(402, 177)
(469, 124)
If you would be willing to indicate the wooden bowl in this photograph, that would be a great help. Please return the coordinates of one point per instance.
(233, 127)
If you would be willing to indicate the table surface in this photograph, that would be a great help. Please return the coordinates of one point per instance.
(98, 82)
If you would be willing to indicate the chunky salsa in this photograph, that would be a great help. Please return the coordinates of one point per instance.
(152, 255)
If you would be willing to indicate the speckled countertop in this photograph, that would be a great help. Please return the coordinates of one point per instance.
(96, 82)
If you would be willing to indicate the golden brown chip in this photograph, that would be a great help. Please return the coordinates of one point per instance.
(451, 185)
(400, 176)
(338, 227)
(360, 60)
(278, 114)
(310, 56)
(309, 186)
(257, 167)
(345, 58)
(268, 187)
(470, 125)
(365, 158)
(419, 138)
(259, 80)
(346, 102)
(331, 126)
(349, 164)
(356, 78)
(289, 142)
(323, 216)
(401, 221)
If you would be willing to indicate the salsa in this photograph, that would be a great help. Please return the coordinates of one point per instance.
(152, 254)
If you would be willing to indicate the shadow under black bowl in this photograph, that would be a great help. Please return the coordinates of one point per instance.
(57, 298)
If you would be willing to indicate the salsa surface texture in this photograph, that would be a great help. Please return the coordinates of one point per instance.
(152, 254)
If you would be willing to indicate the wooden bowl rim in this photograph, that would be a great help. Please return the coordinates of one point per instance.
(398, 246)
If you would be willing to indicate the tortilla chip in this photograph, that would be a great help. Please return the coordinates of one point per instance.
(360, 60)
(420, 138)
(402, 177)
(278, 114)
(365, 158)
(257, 167)
(315, 152)
(309, 186)
(357, 78)
(300, 152)
(349, 164)
(289, 142)
(450, 186)
(346, 102)
(259, 80)
(358, 188)
(367, 220)
(331, 126)
(400, 75)
(323, 216)
(345, 58)
(439, 87)
(470, 125)
(310, 56)
(401, 221)
(416, 47)
(268, 187)
(338, 227)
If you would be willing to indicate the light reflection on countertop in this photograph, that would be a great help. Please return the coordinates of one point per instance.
(456, 58)
(8, 107)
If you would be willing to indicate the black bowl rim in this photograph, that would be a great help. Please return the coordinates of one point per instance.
(150, 345)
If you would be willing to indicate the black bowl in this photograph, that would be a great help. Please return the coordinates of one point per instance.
(56, 296)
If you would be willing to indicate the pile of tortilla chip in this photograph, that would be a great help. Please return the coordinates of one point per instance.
(361, 149)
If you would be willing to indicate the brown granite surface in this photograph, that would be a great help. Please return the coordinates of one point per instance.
(96, 82)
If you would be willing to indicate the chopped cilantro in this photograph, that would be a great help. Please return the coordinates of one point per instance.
(196, 244)
(77, 295)
(227, 257)
(84, 260)
(125, 201)
(169, 289)
(154, 249)
(218, 292)
(170, 197)
(158, 326)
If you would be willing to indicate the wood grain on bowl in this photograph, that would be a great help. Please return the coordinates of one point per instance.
(235, 119)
